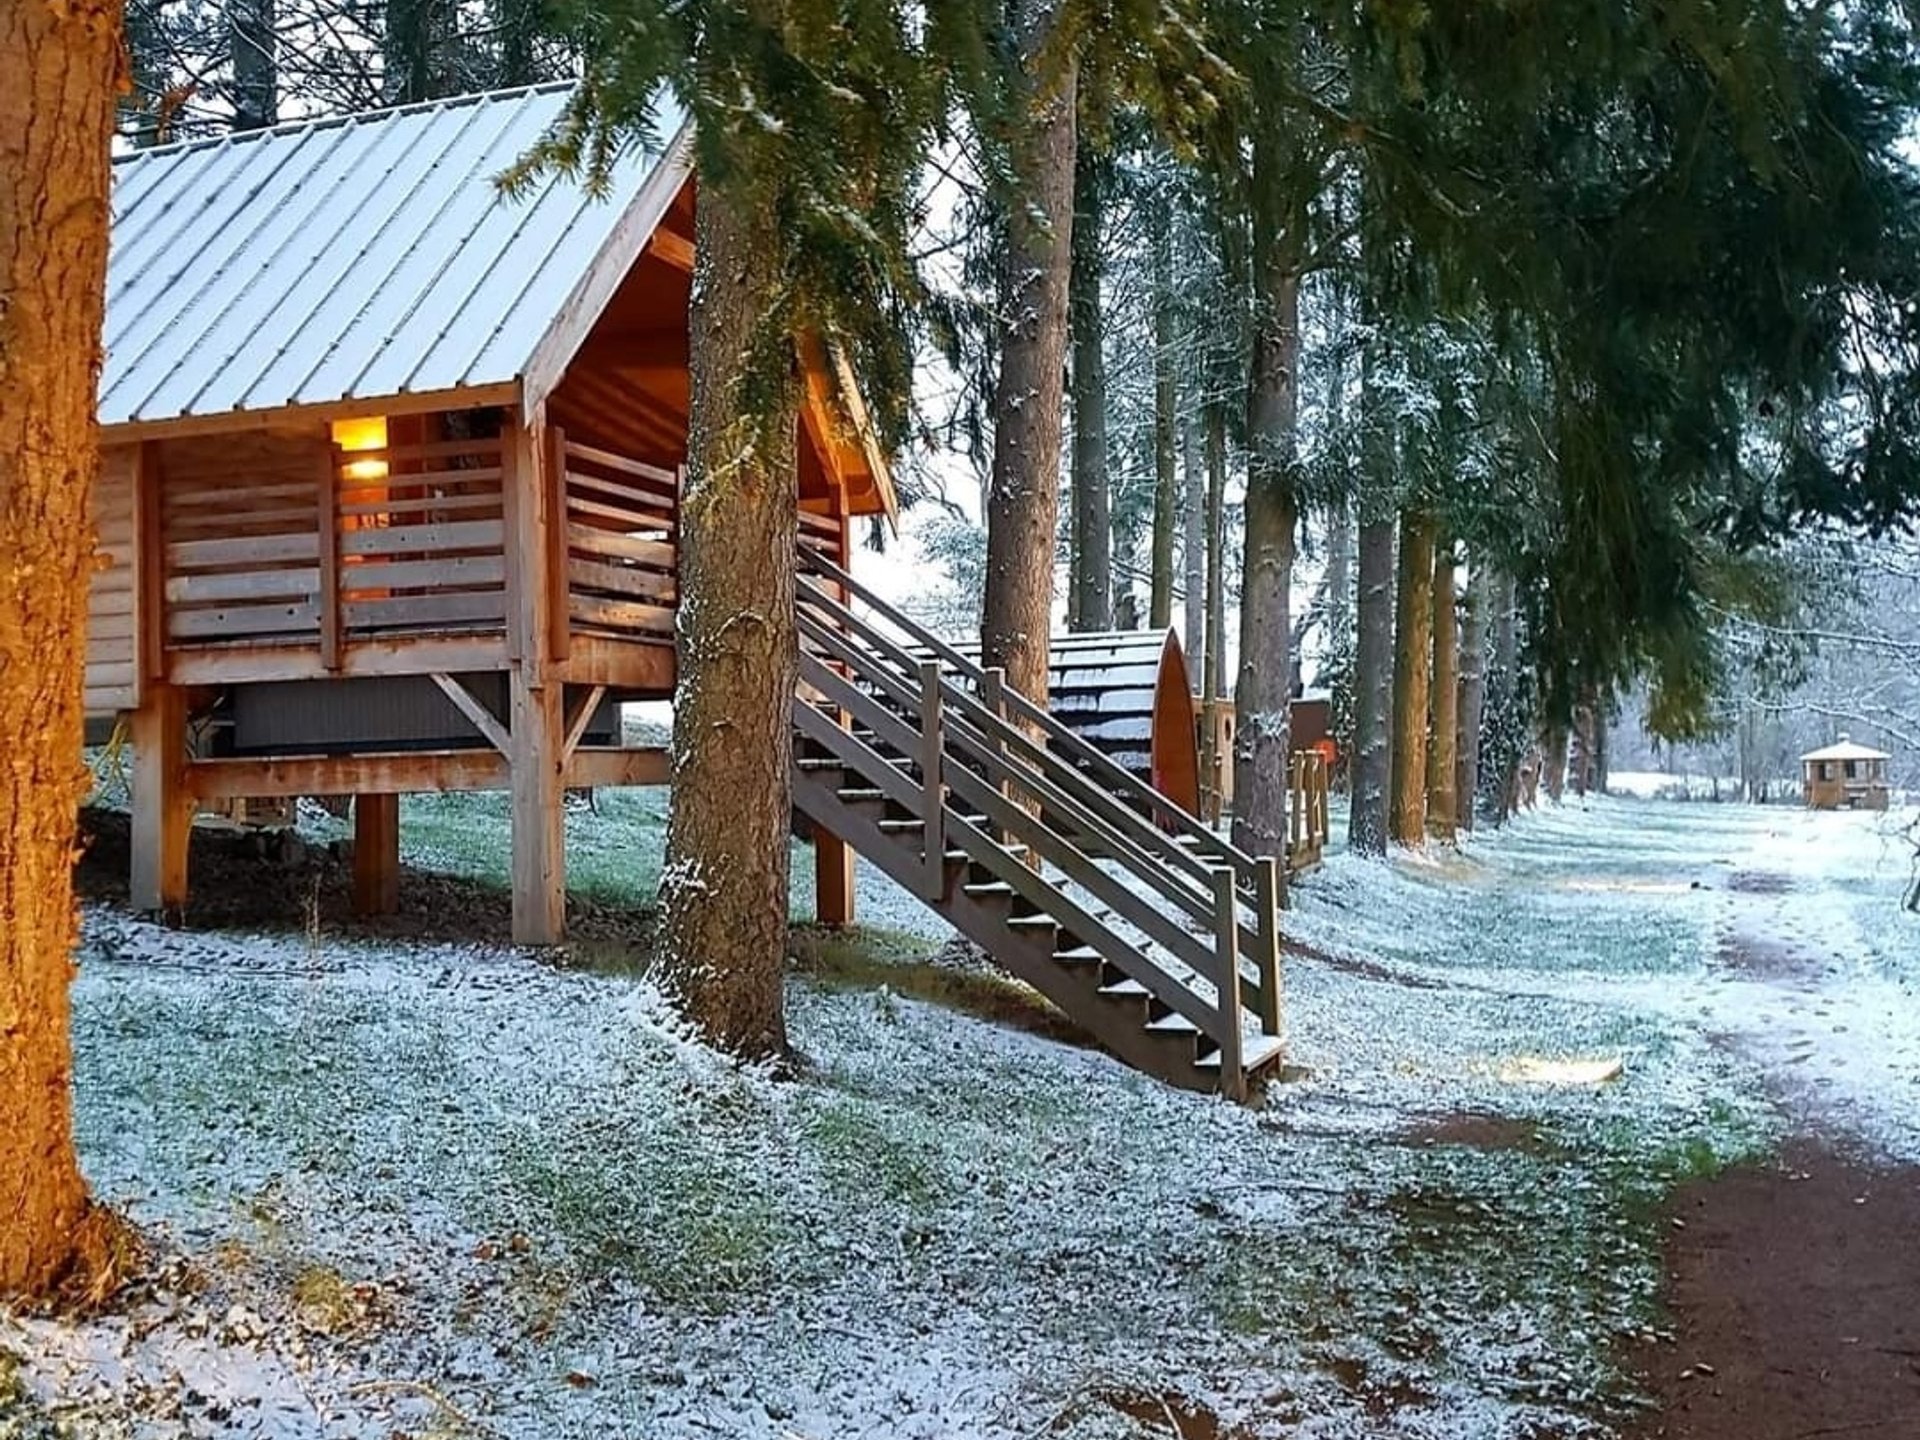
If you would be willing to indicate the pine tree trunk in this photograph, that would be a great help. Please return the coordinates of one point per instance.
(58, 67)
(724, 888)
(1443, 734)
(1473, 692)
(1193, 549)
(1372, 690)
(1090, 605)
(1023, 511)
(1506, 660)
(256, 69)
(1413, 657)
(1216, 662)
(1165, 420)
(1263, 693)
(1553, 763)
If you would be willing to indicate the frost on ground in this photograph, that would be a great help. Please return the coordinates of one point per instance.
(450, 1190)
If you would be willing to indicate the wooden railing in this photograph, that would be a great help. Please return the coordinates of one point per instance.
(241, 565)
(1307, 805)
(418, 542)
(1198, 902)
(619, 543)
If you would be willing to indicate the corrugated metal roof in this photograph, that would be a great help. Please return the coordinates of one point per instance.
(351, 258)
(1846, 749)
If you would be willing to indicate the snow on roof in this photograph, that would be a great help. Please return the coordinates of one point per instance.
(1845, 749)
(355, 257)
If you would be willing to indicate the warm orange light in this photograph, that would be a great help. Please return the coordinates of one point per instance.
(367, 432)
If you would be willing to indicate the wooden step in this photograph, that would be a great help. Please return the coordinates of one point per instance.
(1256, 1052)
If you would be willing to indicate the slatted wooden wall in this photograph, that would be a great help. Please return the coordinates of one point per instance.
(240, 516)
(110, 634)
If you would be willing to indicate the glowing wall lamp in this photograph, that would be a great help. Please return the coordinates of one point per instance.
(368, 432)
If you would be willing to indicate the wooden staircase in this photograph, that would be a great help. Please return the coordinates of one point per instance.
(1148, 929)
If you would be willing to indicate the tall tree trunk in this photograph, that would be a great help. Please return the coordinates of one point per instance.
(1501, 696)
(1217, 549)
(1165, 420)
(1553, 762)
(1413, 655)
(256, 66)
(725, 892)
(58, 68)
(1193, 548)
(1090, 606)
(1582, 743)
(1372, 690)
(1263, 693)
(1473, 690)
(414, 50)
(1443, 734)
(1023, 513)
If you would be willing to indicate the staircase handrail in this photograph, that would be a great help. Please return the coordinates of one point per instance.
(1110, 772)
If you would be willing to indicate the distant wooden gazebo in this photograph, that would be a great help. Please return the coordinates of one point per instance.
(1844, 776)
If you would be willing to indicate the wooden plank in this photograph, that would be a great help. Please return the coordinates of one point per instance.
(111, 629)
(582, 717)
(1233, 1074)
(329, 567)
(376, 854)
(638, 469)
(237, 621)
(256, 550)
(538, 832)
(641, 494)
(115, 599)
(299, 582)
(182, 499)
(425, 539)
(235, 520)
(435, 507)
(551, 517)
(424, 612)
(162, 805)
(587, 540)
(620, 580)
(403, 773)
(642, 669)
(833, 879)
(149, 568)
(420, 402)
(672, 247)
(623, 615)
(484, 720)
(622, 519)
(384, 655)
(597, 768)
(449, 572)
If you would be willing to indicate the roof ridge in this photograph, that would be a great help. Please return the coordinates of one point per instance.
(323, 122)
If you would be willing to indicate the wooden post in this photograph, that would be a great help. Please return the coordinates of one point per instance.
(376, 854)
(932, 783)
(833, 860)
(162, 807)
(554, 484)
(327, 498)
(1226, 931)
(993, 686)
(1267, 897)
(833, 902)
(536, 765)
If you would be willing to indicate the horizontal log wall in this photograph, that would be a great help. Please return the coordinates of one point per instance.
(620, 545)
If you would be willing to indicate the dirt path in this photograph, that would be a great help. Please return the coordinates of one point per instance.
(1794, 1287)
(1793, 1290)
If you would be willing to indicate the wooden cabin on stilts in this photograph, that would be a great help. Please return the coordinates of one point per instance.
(391, 474)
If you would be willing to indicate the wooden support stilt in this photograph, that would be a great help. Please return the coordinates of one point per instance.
(162, 807)
(538, 736)
(376, 854)
(832, 879)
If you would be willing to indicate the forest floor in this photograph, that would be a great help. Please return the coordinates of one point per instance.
(408, 1181)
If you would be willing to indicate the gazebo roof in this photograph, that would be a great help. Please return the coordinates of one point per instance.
(1845, 749)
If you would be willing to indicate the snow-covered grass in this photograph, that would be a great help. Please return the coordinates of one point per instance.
(448, 1186)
